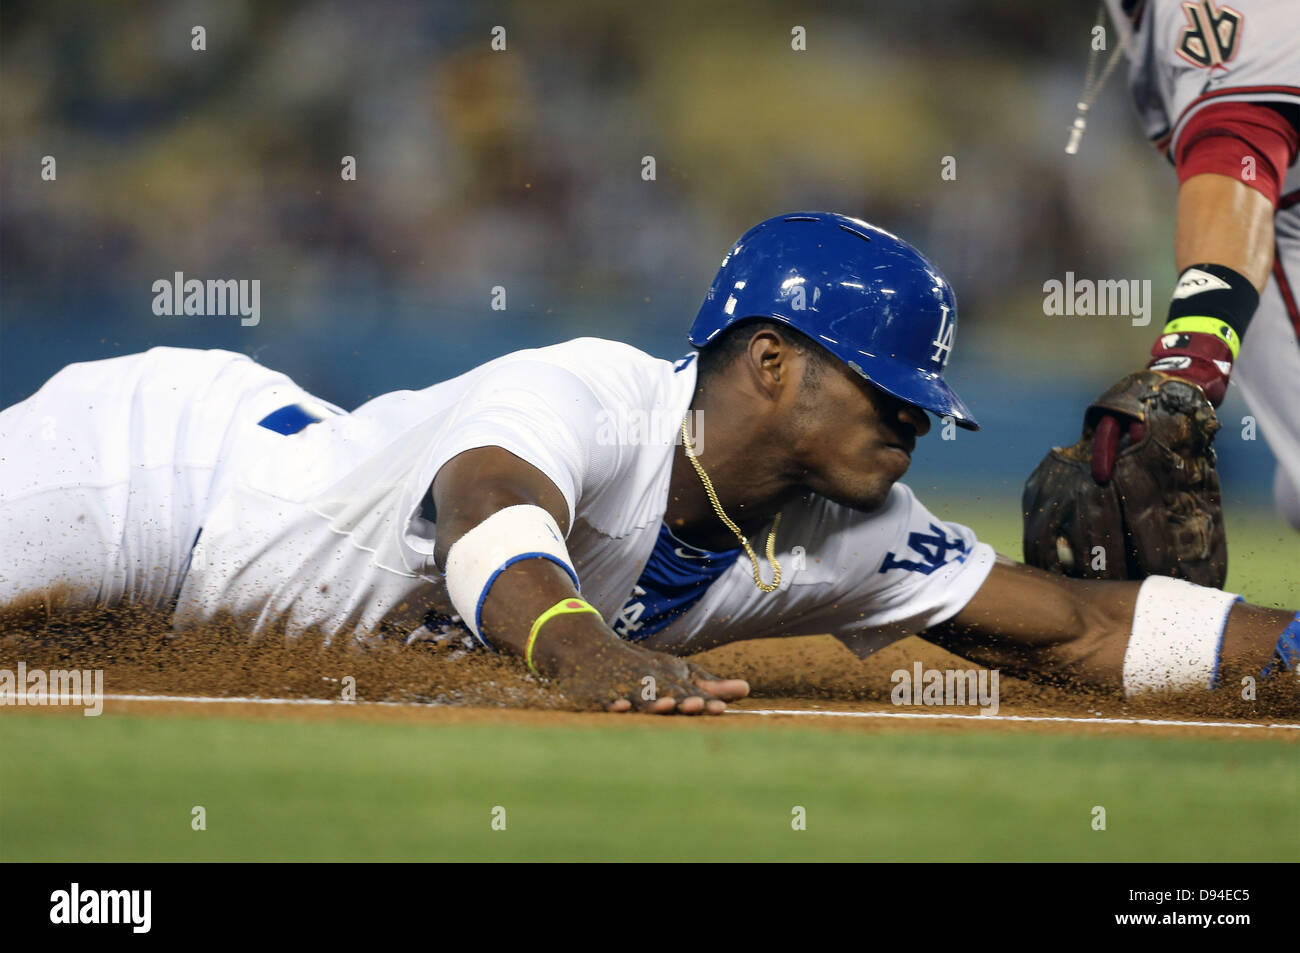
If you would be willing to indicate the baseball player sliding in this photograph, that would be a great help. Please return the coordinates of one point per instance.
(1217, 88)
(591, 509)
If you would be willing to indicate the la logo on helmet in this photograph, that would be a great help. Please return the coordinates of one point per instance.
(943, 339)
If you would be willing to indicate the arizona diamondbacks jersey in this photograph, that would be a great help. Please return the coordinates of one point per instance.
(317, 519)
(1184, 57)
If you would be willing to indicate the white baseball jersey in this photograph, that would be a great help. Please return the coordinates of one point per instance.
(1185, 56)
(109, 470)
(320, 521)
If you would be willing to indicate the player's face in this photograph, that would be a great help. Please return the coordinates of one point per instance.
(855, 441)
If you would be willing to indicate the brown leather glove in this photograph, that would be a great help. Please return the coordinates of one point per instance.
(1159, 514)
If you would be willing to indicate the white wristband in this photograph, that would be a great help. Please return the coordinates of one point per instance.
(506, 537)
(1177, 633)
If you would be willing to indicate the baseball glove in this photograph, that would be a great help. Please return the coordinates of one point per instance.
(1160, 511)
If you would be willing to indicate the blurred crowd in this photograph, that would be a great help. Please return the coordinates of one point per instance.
(523, 169)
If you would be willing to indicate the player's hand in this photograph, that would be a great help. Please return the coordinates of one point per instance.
(622, 677)
(1138, 494)
(1199, 359)
(1112, 426)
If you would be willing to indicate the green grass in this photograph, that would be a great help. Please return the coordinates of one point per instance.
(122, 788)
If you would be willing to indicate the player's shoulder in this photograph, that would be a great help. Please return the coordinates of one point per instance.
(591, 354)
(1227, 45)
(617, 373)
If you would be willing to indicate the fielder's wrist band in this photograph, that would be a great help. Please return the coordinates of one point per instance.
(1287, 654)
(508, 536)
(1177, 634)
(1201, 324)
(563, 607)
(1211, 308)
(1212, 299)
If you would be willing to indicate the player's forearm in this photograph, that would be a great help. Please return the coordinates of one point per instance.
(1028, 622)
(1223, 221)
(518, 598)
(474, 485)
(1242, 644)
(1231, 159)
(1112, 634)
(504, 571)
(505, 613)
(508, 573)
(1250, 640)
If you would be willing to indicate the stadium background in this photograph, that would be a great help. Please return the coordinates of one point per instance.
(522, 169)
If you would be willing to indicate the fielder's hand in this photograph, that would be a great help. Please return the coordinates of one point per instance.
(1138, 495)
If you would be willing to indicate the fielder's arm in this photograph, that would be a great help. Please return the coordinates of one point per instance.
(1223, 221)
(475, 539)
(1231, 162)
(1159, 633)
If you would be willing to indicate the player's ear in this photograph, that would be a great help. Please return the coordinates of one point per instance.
(769, 358)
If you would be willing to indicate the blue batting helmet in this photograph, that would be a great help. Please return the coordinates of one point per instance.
(863, 294)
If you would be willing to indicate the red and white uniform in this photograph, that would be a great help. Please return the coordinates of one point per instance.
(1186, 57)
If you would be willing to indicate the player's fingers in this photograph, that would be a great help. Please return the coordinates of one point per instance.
(682, 678)
(671, 697)
(637, 703)
(682, 699)
(698, 703)
(727, 689)
(1105, 442)
(691, 706)
(657, 696)
(657, 684)
(665, 705)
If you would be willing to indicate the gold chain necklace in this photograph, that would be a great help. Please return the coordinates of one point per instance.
(775, 584)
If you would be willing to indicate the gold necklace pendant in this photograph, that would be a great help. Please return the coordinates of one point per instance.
(775, 584)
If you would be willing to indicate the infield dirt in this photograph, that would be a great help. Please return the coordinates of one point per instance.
(139, 656)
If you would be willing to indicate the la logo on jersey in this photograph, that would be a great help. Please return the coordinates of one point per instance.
(1210, 38)
(943, 337)
(933, 548)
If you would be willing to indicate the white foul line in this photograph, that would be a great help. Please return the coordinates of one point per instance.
(7, 700)
(824, 713)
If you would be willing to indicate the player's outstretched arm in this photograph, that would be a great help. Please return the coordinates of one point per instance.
(1158, 634)
(495, 510)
